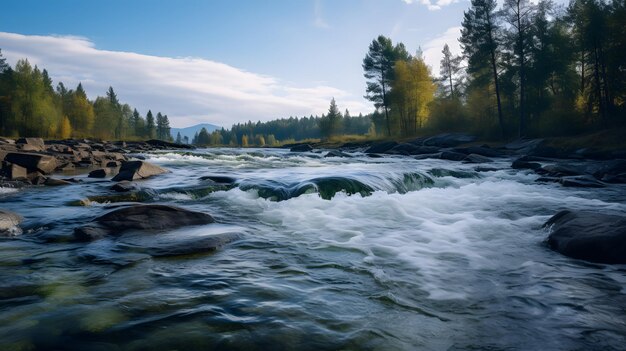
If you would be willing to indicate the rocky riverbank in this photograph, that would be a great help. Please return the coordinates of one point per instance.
(33, 161)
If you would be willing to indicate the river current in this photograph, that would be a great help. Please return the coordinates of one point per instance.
(354, 253)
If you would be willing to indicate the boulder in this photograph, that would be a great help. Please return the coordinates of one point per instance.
(381, 147)
(581, 181)
(9, 222)
(124, 186)
(337, 153)
(301, 148)
(412, 149)
(13, 172)
(32, 162)
(452, 156)
(475, 158)
(521, 164)
(134, 170)
(142, 218)
(31, 144)
(6, 141)
(220, 179)
(590, 236)
(56, 182)
(98, 173)
(191, 246)
(449, 140)
(480, 150)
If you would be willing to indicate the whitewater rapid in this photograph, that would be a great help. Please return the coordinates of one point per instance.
(337, 253)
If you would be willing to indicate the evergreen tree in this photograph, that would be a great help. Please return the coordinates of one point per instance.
(378, 66)
(179, 139)
(450, 68)
(518, 14)
(150, 131)
(481, 47)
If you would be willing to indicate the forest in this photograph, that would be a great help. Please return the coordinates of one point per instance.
(31, 106)
(526, 70)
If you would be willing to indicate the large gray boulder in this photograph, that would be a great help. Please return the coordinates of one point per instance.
(32, 162)
(135, 170)
(31, 144)
(9, 222)
(142, 218)
(595, 237)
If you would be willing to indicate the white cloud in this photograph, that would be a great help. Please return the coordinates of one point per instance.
(432, 5)
(432, 49)
(189, 90)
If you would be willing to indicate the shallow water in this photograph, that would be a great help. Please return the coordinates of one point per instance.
(336, 253)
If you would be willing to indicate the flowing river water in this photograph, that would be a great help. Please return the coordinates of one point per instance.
(355, 253)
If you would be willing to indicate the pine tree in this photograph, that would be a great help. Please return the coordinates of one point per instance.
(378, 66)
(450, 67)
(481, 47)
(150, 131)
(179, 139)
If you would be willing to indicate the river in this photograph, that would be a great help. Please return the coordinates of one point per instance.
(411, 255)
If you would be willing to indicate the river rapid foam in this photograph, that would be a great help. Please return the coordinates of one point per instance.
(354, 253)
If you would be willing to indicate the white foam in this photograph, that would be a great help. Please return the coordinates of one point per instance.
(445, 235)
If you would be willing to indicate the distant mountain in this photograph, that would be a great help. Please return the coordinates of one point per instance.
(191, 131)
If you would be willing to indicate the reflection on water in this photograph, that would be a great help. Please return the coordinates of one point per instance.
(356, 254)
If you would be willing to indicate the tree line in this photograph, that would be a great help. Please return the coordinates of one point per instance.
(287, 130)
(526, 70)
(30, 106)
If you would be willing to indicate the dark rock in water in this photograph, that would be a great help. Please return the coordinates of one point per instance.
(141, 217)
(301, 148)
(98, 173)
(32, 162)
(560, 170)
(134, 170)
(124, 186)
(9, 222)
(594, 237)
(615, 179)
(374, 156)
(31, 144)
(220, 179)
(412, 149)
(480, 150)
(520, 164)
(427, 156)
(449, 140)
(14, 172)
(452, 156)
(582, 181)
(56, 182)
(191, 246)
(381, 147)
(548, 180)
(337, 153)
(113, 164)
(475, 158)
(168, 145)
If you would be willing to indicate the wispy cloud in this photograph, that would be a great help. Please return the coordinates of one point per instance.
(318, 20)
(432, 49)
(190, 90)
(430, 4)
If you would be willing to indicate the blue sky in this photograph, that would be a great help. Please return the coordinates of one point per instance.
(222, 61)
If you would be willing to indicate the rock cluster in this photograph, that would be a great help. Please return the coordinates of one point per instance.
(30, 161)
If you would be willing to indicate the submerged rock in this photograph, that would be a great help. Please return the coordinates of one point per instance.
(189, 246)
(134, 170)
(124, 186)
(9, 222)
(301, 148)
(219, 179)
(381, 147)
(449, 140)
(98, 173)
(140, 217)
(337, 153)
(589, 236)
